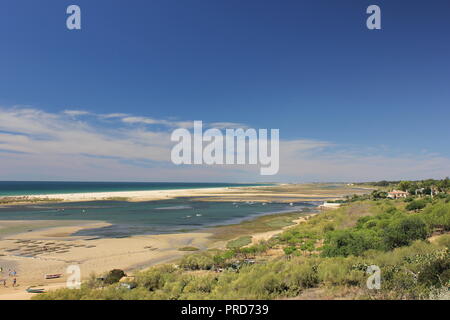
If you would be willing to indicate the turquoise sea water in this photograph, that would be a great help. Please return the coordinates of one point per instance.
(152, 217)
(16, 188)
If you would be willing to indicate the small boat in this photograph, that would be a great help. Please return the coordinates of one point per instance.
(35, 290)
(53, 276)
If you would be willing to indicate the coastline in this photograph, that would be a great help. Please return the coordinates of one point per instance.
(132, 196)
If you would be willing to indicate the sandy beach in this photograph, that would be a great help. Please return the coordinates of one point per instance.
(50, 251)
(279, 192)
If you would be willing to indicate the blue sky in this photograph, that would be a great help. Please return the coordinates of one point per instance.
(310, 68)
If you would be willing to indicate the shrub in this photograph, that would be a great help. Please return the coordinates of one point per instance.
(436, 274)
(200, 261)
(301, 276)
(201, 284)
(403, 231)
(340, 271)
(154, 278)
(114, 276)
(350, 242)
(416, 205)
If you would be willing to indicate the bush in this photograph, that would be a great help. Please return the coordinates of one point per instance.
(436, 274)
(201, 261)
(201, 284)
(403, 232)
(416, 205)
(340, 271)
(350, 242)
(114, 276)
(302, 276)
(155, 278)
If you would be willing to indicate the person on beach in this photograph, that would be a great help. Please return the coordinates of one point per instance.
(14, 282)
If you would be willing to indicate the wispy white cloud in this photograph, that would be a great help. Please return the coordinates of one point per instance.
(75, 113)
(114, 115)
(35, 144)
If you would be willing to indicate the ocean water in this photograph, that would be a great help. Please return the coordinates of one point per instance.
(152, 217)
(17, 188)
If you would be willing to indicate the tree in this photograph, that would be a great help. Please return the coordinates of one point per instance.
(444, 185)
(404, 185)
(289, 250)
(377, 194)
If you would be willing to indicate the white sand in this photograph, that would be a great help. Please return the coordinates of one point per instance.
(134, 195)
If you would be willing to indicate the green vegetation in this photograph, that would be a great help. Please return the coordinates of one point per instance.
(416, 205)
(25, 199)
(188, 249)
(239, 242)
(412, 186)
(117, 199)
(261, 224)
(329, 253)
(114, 276)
